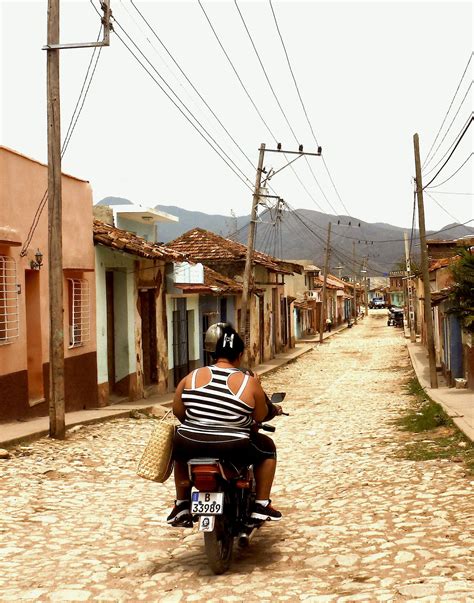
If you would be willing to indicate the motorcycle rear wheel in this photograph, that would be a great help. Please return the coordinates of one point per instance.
(218, 545)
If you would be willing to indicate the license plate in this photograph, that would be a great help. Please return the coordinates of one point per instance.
(207, 503)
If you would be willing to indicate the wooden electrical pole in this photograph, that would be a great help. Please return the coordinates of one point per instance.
(355, 280)
(411, 313)
(55, 263)
(322, 320)
(366, 289)
(424, 266)
(244, 324)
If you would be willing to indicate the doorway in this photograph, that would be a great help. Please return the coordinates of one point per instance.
(149, 343)
(33, 337)
(180, 340)
(109, 292)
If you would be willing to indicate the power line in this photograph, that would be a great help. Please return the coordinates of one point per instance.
(461, 136)
(152, 29)
(275, 96)
(226, 54)
(451, 193)
(303, 105)
(86, 84)
(442, 140)
(447, 112)
(235, 70)
(243, 179)
(452, 175)
(412, 233)
(443, 208)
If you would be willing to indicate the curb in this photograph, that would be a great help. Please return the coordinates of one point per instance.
(306, 346)
(453, 413)
(118, 414)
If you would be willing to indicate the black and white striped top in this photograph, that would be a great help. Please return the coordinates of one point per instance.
(214, 410)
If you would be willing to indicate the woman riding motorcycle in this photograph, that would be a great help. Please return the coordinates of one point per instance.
(217, 406)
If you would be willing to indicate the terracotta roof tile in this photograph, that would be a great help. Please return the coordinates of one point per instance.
(442, 263)
(122, 240)
(205, 246)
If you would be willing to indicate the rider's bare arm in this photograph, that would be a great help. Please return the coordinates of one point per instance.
(178, 406)
(261, 409)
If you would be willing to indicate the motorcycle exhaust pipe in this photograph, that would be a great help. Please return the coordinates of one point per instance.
(244, 538)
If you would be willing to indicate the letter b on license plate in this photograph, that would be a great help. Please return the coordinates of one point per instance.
(207, 503)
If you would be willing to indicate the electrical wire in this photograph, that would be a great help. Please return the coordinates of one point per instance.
(443, 208)
(450, 147)
(245, 180)
(226, 54)
(152, 29)
(451, 193)
(452, 175)
(412, 233)
(303, 105)
(460, 137)
(447, 112)
(275, 96)
(86, 84)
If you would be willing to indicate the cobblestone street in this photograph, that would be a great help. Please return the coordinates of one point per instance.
(360, 523)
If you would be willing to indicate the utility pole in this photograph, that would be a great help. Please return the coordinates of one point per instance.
(244, 326)
(411, 313)
(424, 266)
(57, 424)
(323, 300)
(55, 261)
(366, 290)
(354, 275)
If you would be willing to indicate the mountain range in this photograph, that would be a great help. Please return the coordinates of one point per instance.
(302, 234)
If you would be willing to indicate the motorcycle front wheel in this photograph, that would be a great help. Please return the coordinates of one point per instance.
(218, 545)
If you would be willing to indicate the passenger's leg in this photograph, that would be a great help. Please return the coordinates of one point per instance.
(264, 474)
(181, 480)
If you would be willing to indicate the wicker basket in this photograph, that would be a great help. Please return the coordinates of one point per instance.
(156, 463)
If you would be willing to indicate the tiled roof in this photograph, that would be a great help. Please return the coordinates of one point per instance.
(122, 240)
(205, 246)
(442, 263)
(214, 283)
(332, 282)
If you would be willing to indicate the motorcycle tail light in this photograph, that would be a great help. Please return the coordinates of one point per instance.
(242, 483)
(205, 477)
(205, 482)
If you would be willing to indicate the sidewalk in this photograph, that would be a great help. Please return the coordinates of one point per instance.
(12, 434)
(458, 403)
(315, 338)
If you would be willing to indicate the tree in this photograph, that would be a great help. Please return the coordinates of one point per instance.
(462, 297)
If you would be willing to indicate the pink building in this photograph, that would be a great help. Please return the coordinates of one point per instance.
(24, 306)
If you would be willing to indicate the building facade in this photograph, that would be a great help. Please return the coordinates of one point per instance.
(24, 290)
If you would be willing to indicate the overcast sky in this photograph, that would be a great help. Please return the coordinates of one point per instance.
(371, 74)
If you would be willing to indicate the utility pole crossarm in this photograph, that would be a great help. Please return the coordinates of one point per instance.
(105, 6)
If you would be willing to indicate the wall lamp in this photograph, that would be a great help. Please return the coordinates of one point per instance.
(38, 261)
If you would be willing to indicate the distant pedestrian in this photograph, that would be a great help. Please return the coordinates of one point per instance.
(328, 324)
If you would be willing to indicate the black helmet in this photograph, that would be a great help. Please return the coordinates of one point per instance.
(213, 334)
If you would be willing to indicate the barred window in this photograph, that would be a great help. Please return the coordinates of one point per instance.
(79, 312)
(9, 311)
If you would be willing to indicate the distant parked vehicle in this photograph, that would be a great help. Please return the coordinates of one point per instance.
(377, 303)
(395, 317)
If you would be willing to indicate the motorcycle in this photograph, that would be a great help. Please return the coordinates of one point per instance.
(221, 501)
(395, 317)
